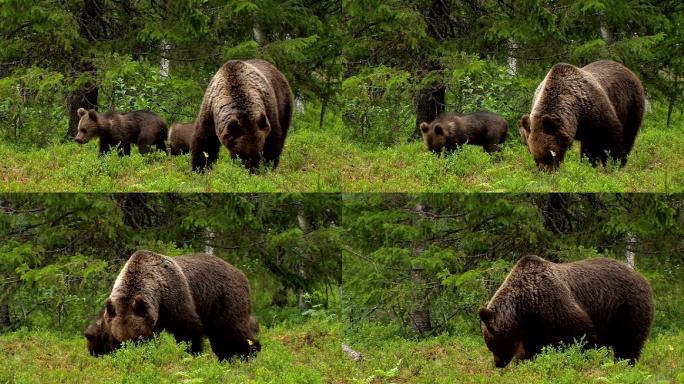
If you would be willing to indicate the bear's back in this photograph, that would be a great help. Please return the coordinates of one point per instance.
(213, 282)
(602, 286)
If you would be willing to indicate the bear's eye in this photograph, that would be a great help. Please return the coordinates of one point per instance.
(438, 130)
(425, 129)
(82, 130)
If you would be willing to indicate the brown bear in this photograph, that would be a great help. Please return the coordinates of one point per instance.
(188, 296)
(180, 137)
(120, 130)
(449, 131)
(543, 303)
(247, 107)
(601, 105)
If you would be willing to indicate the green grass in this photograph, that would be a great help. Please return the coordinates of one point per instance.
(311, 353)
(328, 161)
(308, 353)
(466, 359)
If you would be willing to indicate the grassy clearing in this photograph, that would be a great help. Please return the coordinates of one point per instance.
(465, 359)
(311, 353)
(327, 161)
(308, 353)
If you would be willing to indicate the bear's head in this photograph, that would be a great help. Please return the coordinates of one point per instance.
(505, 344)
(100, 340)
(89, 125)
(245, 137)
(546, 139)
(434, 135)
(130, 318)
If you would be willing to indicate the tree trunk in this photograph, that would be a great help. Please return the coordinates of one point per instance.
(164, 62)
(5, 322)
(91, 28)
(84, 97)
(421, 322)
(304, 223)
(512, 60)
(431, 99)
(670, 109)
(629, 249)
(324, 105)
(429, 104)
(211, 235)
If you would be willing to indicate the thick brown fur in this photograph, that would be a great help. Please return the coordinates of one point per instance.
(180, 138)
(601, 105)
(188, 296)
(450, 131)
(119, 130)
(247, 108)
(543, 303)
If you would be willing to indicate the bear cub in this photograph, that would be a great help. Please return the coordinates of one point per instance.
(119, 130)
(180, 137)
(450, 131)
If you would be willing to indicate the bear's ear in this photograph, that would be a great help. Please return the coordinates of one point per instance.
(486, 314)
(139, 307)
(550, 125)
(92, 114)
(81, 112)
(424, 127)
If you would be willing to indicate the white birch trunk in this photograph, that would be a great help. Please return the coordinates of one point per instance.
(164, 63)
(211, 235)
(629, 250)
(512, 66)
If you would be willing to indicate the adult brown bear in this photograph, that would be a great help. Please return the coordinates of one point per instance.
(450, 131)
(119, 130)
(101, 342)
(247, 107)
(188, 296)
(543, 303)
(601, 105)
(180, 137)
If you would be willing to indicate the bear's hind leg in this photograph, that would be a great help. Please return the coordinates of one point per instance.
(143, 146)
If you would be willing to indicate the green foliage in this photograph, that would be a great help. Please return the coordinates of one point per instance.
(307, 353)
(326, 160)
(464, 358)
(60, 253)
(450, 252)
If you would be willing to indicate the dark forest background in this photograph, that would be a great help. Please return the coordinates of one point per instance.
(421, 265)
(60, 253)
(384, 66)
